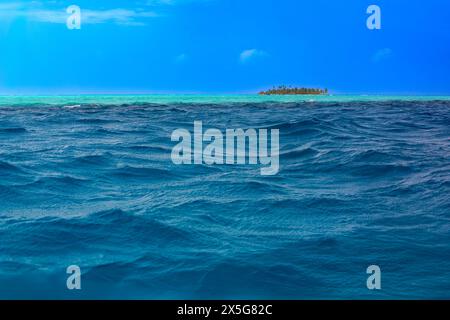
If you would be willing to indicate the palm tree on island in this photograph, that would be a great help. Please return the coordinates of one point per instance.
(284, 90)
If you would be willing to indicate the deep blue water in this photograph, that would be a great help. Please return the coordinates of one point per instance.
(360, 183)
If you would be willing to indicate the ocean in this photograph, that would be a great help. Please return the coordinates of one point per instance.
(89, 181)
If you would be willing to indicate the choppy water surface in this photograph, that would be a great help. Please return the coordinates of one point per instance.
(92, 184)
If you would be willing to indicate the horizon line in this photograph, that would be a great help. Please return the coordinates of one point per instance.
(9, 94)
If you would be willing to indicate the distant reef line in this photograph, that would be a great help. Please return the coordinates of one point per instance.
(287, 90)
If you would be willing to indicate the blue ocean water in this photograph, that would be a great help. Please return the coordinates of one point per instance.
(90, 182)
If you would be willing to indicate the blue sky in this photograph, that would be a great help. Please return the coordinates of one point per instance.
(224, 46)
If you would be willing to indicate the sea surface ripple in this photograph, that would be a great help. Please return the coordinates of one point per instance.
(360, 183)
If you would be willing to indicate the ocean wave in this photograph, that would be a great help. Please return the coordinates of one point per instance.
(130, 172)
(93, 184)
(93, 159)
(303, 152)
(6, 167)
(15, 130)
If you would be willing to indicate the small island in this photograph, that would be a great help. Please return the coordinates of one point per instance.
(284, 90)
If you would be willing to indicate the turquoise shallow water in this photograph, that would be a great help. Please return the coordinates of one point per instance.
(89, 181)
(188, 98)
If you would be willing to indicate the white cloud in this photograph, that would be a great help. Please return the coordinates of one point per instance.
(172, 2)
(35, 11)
(382, 54)
(160, 2)
(10, 6)
(181, 58)
(251, 54)
(118, 16)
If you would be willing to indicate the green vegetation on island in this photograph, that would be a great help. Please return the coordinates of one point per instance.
(285, 90)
